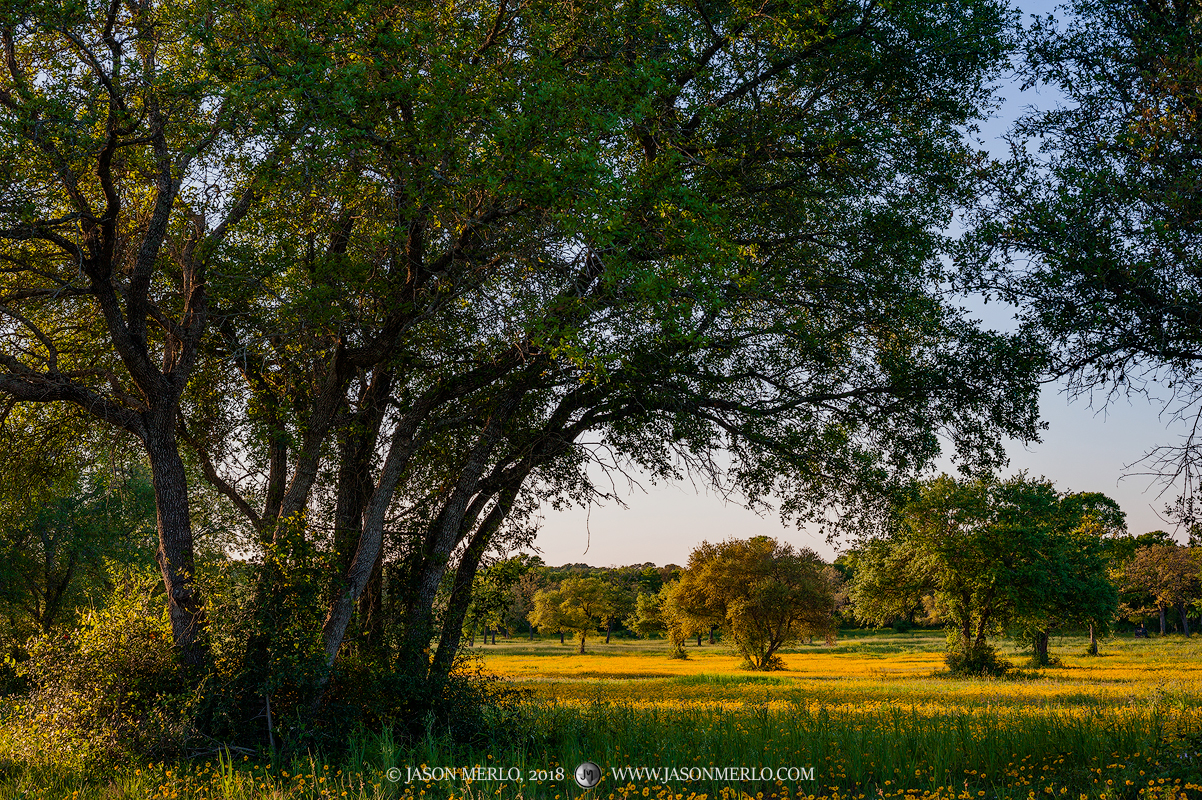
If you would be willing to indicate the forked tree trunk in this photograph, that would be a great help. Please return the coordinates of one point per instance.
(461, 589)
(441, 537)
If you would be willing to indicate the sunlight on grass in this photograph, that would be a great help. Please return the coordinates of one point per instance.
(872, 717)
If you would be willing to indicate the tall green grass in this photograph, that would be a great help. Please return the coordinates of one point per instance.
(1132, 732)
(882, 752)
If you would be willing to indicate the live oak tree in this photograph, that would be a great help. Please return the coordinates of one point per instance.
(431, 263)
(1169, 575)
(718, 236)
(764, 594)
(996, 555)
(1075, 588)
(579, 605)
(1093, 226)
(134, 139)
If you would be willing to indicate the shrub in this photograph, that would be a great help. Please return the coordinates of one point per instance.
(11, 655)
(976, 659)
(473, 707)
(110, 687)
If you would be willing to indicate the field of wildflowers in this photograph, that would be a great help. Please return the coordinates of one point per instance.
(874, 716)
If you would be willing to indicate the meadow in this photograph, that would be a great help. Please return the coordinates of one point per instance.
(873, 716)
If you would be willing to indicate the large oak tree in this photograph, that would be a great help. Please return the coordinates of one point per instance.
(479, 248)
(135, 137)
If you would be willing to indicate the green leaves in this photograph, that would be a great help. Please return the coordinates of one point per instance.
(1093, 226)
(764, 594)
(580, 605)
(995, 555)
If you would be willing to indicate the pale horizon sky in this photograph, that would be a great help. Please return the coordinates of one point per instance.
(1084, 449)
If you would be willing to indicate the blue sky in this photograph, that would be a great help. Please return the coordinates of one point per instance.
(1086, 448)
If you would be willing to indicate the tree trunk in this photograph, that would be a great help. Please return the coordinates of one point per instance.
(1184, 619)
(440, 540)
(174, 555)
(371, 540)
(531, 624)
(461, 588)
(1093, 640)
(1041, 648)
(609, 625)
(582, 644)
(1163, 626)
(712, 629)
(699, 638)
(561, 641)
(494, 635)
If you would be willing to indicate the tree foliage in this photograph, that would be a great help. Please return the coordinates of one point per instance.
(134, 139)
(996, 555)
(579, 605)
(71, 502)
(1094, 225)
(395, 275)
(1169, 576)
(765, 595)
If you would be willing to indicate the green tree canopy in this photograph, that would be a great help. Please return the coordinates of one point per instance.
(580, 605)
(1169, 576)
(764, 594)
(135, 138)
(995, 554)
(1093, 226)
(397, 274)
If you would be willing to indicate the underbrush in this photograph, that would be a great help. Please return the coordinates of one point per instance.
(886, 752)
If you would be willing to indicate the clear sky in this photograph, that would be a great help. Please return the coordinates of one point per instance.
(1086, 448)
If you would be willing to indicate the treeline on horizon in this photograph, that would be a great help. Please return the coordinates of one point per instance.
(1159, 603)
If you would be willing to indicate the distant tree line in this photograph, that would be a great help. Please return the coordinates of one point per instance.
(982, 558)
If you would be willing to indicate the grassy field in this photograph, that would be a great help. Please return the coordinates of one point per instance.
(874, 716)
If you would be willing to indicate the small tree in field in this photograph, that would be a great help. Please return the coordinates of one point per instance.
(764, 594)
(661, 613)
(580, 605)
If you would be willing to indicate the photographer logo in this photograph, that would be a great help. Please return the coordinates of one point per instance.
(588, 775)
